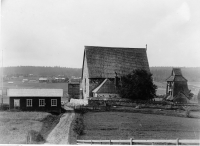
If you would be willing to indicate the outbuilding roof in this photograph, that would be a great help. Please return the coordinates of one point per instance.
(105, 62)
(35, 92)
(106, 87)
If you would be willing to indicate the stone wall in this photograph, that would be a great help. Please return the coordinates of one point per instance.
(76, 102)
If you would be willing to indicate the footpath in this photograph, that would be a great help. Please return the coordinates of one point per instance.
(60, 134)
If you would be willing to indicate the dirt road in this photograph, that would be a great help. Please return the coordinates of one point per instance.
(60, 134)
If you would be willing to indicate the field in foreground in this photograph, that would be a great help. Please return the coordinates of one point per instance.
(14, 126)
(121, 125)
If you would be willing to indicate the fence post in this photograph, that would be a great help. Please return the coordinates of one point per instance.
(110, 142)
(177, 141)
(131, 141)
(27, 139)
(30, 139)
(91, 142)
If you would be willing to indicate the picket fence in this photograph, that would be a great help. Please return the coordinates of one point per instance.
(140, 142)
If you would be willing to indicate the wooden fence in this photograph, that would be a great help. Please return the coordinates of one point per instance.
(140, 142)
(125, 102)
(107, 105)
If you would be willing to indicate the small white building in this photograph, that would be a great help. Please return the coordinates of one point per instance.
(25, 80)
(43, 80)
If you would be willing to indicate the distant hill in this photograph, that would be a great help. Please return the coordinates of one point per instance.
(160, 74)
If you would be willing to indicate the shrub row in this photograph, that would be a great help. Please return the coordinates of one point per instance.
(78, 126)
(4, 107)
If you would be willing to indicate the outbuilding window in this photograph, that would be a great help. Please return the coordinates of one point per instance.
(41, 102)
(53, 102)
(29, 102)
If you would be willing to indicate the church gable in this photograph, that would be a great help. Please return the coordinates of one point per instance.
(105, 62)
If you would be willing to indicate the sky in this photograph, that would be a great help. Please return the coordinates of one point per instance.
(54, 32)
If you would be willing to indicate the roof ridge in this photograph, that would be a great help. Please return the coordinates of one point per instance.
(34, 88)
(115, 47)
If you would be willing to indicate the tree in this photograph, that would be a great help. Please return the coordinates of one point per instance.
(190, 95)
(138, 85)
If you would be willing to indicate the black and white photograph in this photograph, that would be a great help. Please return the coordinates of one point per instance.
(100, 72)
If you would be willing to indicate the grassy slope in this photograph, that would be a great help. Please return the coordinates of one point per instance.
(14, 126)
(119, 125)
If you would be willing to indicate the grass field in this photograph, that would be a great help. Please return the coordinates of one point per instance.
(14, 126)
(126, 125)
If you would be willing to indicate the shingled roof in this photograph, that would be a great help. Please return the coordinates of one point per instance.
(176, 75)
(176, 71)
(104, 62)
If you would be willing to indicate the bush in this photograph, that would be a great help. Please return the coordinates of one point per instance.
(35, 137)
(4, 107)
(187, 113)
(80, 111)
(138, 85)
(78, 127)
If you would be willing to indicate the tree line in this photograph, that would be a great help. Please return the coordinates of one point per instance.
(41, 71)
(160, 74)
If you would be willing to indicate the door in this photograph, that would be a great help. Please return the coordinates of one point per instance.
(16, 103)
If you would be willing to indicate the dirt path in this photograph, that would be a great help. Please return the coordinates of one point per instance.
(60, 134)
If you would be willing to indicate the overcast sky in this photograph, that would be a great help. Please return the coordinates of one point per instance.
(54, 32)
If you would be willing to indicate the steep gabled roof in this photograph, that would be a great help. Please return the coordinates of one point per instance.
(176, 75)
(177, 72)
(171, 78)
(179, 78)
(104, 62)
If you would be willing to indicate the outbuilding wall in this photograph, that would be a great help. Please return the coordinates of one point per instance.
(74, 90)
(35, 104)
